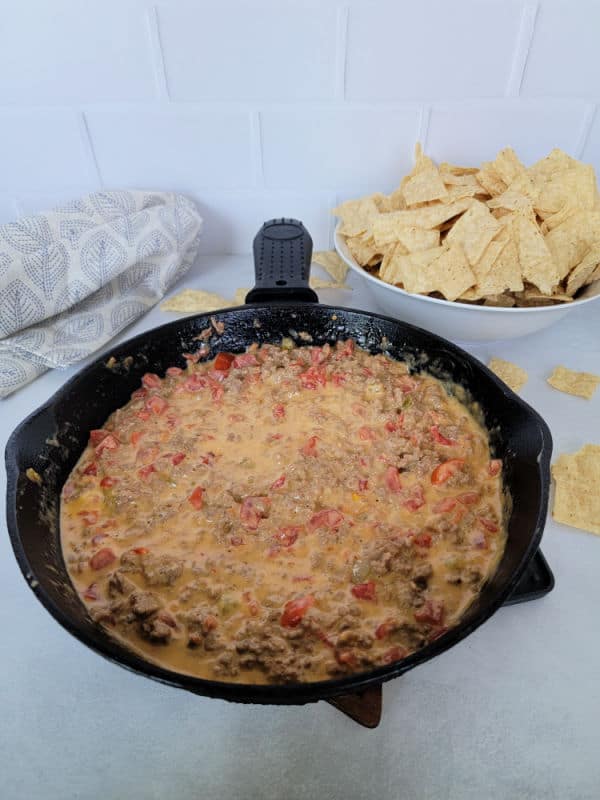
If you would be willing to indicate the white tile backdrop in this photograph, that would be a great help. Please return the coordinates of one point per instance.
(280, 107)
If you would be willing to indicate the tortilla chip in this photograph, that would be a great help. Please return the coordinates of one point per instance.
(581, 384)
(356, 215)
(414, 239)
(508, 166)
(424, 186)
(512, 375)
(453, 275)
(555, 161)
(474, 231)
(403, 267)
(440, 269)
(575, 186)
(535, 258)
(554, 220)
(456, 169)
(584, 270)
(195, 300)
(568, 242)
(426, 217)
(332, 263)
(490, 180)
(577, 499)
(363, 249)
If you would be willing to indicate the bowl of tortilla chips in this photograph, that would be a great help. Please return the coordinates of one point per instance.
(479, 253)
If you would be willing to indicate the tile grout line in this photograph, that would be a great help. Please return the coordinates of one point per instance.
(522, 49)
(256, 150)
(158, 57)
(339, 90)
(423, 126)
(88, 145)
(589, 116)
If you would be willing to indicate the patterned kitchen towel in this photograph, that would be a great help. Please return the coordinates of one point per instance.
(72, 278)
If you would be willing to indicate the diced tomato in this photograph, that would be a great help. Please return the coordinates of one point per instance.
(494, 467)
(245, 360)
(278, 483)
(209, 623)
(347, 348)
(407, 385)
(192, 358)
(146, 471)
(319, 354)
(286, 537)
(223, 361)
(392, 479)
(91, 593)
(102, 558)
(445, 505)
(143, 414)
(135, 437)
(88, 517)
(432, 612)
(294, 610)
(91, 469)
(140, 551)
(391, 426)
(416, 499)
(195, 383)
(151, 381)
(109, 442)
(488, 524)
(236, 541)
(216, 391)
(158, 405)
(313, 377)
(384, 630)
(468, 498)
(422, 540)
(252, 510)
(98, 435)
(177, 458)
(327, 518)
(108, 482)
(394, 654)
(279, 411)
(363, 484)
(310, 448)
(196, 498)
(446, 470)
(366, 434)
(364, 591)
(173, 371)
(139, 394)
(208, 459)
(339, 378)
(439, 438)
(346, 658)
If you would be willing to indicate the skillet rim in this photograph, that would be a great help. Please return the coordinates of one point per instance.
(293, 693)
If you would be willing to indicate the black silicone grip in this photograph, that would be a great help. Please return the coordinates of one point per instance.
(282, 255)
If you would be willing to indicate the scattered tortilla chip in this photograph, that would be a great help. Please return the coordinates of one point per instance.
(319, 283)
(195, 300)
(581, 384)
(474, 231)
(577, 499)
(239, 298)
(332, 263)
(512, 375)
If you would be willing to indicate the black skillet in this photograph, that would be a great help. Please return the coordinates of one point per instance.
(281, 304)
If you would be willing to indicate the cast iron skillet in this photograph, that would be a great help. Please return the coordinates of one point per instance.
(52, 438)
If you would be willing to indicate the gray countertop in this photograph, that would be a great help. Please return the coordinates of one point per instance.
(511, 712)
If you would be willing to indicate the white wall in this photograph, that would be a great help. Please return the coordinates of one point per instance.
(282, 107)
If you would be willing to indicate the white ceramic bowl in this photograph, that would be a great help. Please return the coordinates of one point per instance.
(460, 321)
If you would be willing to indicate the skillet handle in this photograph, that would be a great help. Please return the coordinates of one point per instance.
(282, 255)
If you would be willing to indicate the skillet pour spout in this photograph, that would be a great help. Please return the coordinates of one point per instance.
(281, 304)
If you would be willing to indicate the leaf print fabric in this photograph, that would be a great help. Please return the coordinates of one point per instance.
(71, 279)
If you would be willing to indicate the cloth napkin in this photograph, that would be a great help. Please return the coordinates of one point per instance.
(73, 278)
